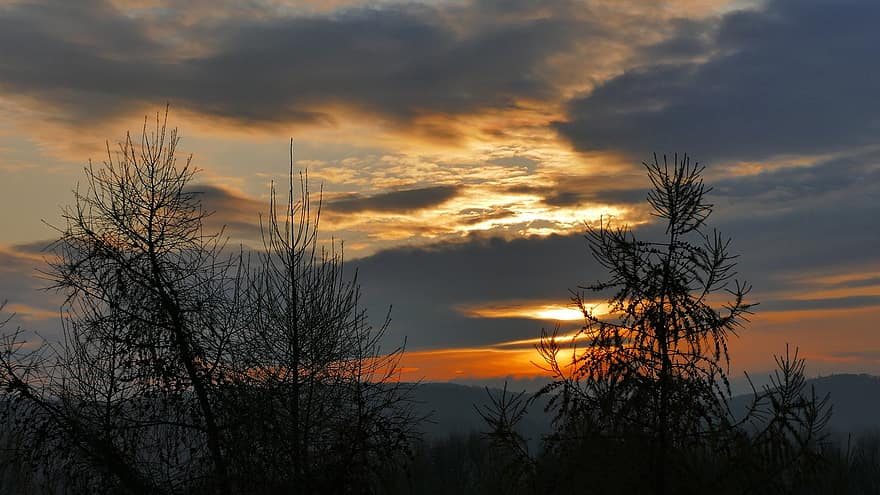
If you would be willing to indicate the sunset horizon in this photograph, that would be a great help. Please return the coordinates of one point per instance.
(460, 149)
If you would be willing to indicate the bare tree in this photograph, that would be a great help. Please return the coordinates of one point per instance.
(146, 324)
(185, 369)
(315, 361)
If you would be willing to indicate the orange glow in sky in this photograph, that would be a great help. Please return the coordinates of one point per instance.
(470, 363)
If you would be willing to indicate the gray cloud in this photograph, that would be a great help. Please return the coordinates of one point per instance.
(395, 201)
(23, 287)
(425, 286)
(576, 197)
(572, 190)
(795, 77)
(219, 198)
(85, 57)
(803, 218)
(19, 270)
(851, 302)
(692, 40)
(237, 214)
(397, 61)
(852, 172)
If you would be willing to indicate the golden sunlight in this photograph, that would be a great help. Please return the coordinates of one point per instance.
(561, 314)
(534, 311)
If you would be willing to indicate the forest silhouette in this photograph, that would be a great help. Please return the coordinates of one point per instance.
(189, 366)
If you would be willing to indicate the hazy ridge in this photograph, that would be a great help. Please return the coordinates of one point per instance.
(450, 407)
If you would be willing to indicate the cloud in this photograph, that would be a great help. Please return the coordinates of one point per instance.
(847, 173)
(395, 201)
(628, 187)
(533, 310)
(238, 214)
(437, 71)
(829, 303)
(870, 355)
(87, 57)
(400, 62)
(428, 286)
(18, 268)
(23, 287)
(796, 77)
(215, 197)
(562, 197)
(803, 221)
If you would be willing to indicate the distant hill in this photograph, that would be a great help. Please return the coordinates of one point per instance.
(450, 409)
(855, 400)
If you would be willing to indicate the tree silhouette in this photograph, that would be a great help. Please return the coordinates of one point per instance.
(132, 384)
(312, 364)
(654, 367)
(182, 367)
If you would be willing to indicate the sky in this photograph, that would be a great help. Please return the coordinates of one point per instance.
(462, 146)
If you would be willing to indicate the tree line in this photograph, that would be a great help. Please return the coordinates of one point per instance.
(186, 366)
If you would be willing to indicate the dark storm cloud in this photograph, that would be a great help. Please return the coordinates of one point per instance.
(791, 243)
(397, 61)
(799, 76)
(396, 201)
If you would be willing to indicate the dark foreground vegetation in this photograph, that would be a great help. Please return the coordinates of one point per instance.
(188, 367)
(470, 464)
